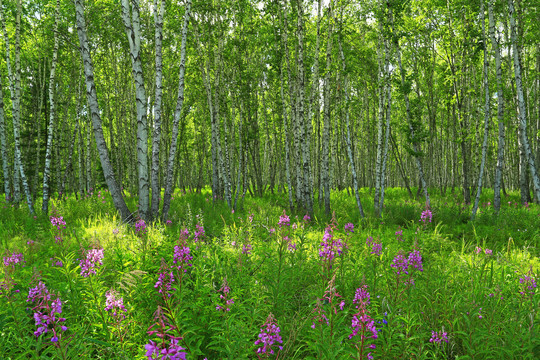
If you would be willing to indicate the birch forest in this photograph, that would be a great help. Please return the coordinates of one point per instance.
(250, 130)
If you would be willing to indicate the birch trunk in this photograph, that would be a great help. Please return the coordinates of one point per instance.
(91, 95)
(38, 123)
(3, 147)
(388, 116)
(348, 138)
(522, 115)
(302, 118)
(325, 176)
(487, 113)
(132, 25)
(50, 129)
(500, 111)
(15, 87)
(378, 161)
(159, 11)
(177, 113)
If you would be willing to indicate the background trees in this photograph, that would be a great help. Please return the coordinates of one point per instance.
(296, 96)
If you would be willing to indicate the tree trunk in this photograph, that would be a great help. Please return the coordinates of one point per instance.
(91, 95)
(50, 129)
(3, 147)
(132, 25)
(15, 87)
(159, 11)
(177, 112)
(325, 176)
(487, 115)
(522, 116)
(500, 112)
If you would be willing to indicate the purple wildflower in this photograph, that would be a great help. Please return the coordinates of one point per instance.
(165, 280)
(224, 296)
(140, 227)
(13, 259)
(58, 222)
(401, 264)
(284, 220)
(415, 260)
(182, 257)
(46, 315)
(349, 227)
(438, 338)
(362, 324)
(307, 218)
(376, 248)
(167, 347)
(199, 233)
(268, 336)
(93, 259)
(399, 235)
(331, 247)
(426, 216)
(528, 284)
(114, 302)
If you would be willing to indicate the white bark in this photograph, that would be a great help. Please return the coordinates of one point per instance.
(500, 111)
(93, 105)
(132, 25)
(3, 147)
(522, 115)
(15, 87)
(487, 114)
(177, 112)
(159, 11)
(52, 108)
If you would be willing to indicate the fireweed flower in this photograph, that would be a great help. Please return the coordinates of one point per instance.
(527, 285)
(399, 235)
(246, 249)
(438, 338)
(376, 248)
(182, 257)
(224, 296)
(415, 260)
(331, 247)
(55, 262)
(58, 222)
(269, 336)
(401, 264)
(426, 216)
(307, 218)
(93, 259)
(114, 303)
(165, 280)
(199, 233)
(362, 324)
(167, 346)
(46, 312)
(140, 227)
(13, 260)
(284, 220)
(349, 227)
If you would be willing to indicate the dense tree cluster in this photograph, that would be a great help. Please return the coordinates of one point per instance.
(296, 96)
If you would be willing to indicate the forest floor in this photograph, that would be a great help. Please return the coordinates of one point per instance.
(261, 283)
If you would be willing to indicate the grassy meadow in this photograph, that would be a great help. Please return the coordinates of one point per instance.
(260, 283)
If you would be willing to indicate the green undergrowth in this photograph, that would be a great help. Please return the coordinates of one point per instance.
(475, 282)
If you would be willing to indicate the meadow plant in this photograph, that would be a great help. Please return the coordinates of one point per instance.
(166, 345)
(47, 313)
(224, 296)
(93, 259)
(165, 280)
(269, 338)
(362, 324)
(14, 259)
(399, 234)
(438, 337)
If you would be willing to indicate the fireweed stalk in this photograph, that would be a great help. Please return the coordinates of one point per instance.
(331, 248)
(114, 305)
(60, 225)
(167, 344)
(268, 337)
(284, 232)
(362, 324)
(90, 264)
(403, 266)
(47, 312)
(331, 297)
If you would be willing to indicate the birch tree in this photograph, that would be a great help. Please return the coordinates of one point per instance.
(500, 111)
(522, 111)
(14, 76)
(131, 18)
(52, 109)
(3, 147)
(487, 112)
(93, 105)
(169, 182)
